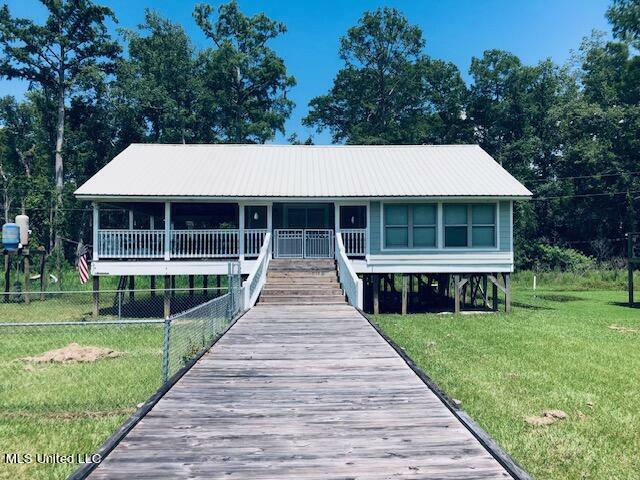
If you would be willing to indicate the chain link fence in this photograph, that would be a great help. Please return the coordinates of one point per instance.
(78, 377)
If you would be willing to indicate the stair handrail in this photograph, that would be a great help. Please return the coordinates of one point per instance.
(252, 286)
(349, 281)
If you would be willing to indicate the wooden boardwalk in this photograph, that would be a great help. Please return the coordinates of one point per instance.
(300, 392)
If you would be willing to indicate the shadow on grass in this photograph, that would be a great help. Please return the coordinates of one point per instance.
(529, 306)
(624, 304)
(560, 298)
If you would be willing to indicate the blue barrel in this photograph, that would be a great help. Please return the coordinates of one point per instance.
(10, 236)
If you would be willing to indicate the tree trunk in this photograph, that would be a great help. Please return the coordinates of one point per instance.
(59, 178)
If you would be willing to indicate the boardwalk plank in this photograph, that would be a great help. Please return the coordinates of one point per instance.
(300, 392)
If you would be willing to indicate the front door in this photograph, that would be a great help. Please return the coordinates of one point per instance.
(303, 230)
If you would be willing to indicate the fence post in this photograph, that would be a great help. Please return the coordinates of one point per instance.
(119, 304)
(165, 350)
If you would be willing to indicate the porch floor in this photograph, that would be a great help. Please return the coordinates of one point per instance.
(298, 392)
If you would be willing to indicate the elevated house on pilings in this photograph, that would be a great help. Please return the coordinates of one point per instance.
(410, 227)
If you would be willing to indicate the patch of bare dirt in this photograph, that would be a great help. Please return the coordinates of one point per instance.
(547, 418)
(73, 353)
(623, 329)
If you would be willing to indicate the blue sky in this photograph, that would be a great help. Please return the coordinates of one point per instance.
(454, 31)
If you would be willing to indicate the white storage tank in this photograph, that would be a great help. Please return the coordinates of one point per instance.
(23, 222)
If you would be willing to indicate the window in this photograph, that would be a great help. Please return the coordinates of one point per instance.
(483, 228)
(455, 226)
(470, 225)
(396, 219)
(425, 219)
(353, 216)
(410, 226)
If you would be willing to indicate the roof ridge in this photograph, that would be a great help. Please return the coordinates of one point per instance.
(272, 145)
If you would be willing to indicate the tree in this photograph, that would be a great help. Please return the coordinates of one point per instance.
(70, 47)
(624, 16)
(157, 89)
(245, 81)
(388, 91)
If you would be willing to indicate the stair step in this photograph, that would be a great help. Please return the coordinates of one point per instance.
(301, 293)
(295, 274)
(303, 299)
(295, 291)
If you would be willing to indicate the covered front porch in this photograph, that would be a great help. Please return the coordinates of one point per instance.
(203, 232)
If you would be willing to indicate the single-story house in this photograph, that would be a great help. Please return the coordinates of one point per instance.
(430, 213)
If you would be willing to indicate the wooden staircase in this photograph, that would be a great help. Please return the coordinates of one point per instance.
(301, 282)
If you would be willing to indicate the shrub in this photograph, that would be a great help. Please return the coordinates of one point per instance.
(543, 257)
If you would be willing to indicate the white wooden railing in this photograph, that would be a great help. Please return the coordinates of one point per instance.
(258, 276)
(253, 241)
(204, 243)
(349, 281)
(355, 241)
(114, 243)
(218, 243)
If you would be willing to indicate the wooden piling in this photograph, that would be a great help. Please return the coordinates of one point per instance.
(27, 276)
(191, 285)
(7, 276)
(96, 296)
(376, 294)
(167, 295)
(152, 285)
(43, 275)
(404, 293)
(456, 292)
(507, 292)
(132, 287)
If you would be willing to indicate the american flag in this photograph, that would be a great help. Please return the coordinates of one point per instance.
(81, 263)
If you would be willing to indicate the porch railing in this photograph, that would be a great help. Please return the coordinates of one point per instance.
(114, 243)
(349, 281)
(355, 241)
(150, 244)
(253, 241)
(204, 243)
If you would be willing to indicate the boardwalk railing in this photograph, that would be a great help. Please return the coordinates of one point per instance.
(150, 244)
(355, 241)
(349, 281)
(257, 278)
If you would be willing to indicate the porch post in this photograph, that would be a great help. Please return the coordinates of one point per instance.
(167, 230)
(130, 219)
(270, 217)
(241, 231)
(96, 227)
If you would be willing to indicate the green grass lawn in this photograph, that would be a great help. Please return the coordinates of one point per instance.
(555, 351)
(71, 408)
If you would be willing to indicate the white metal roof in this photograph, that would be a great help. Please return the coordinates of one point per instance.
(298, 171)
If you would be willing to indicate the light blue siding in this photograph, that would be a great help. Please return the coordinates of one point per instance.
(374, 228)
(504, 227)
(375, 242)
